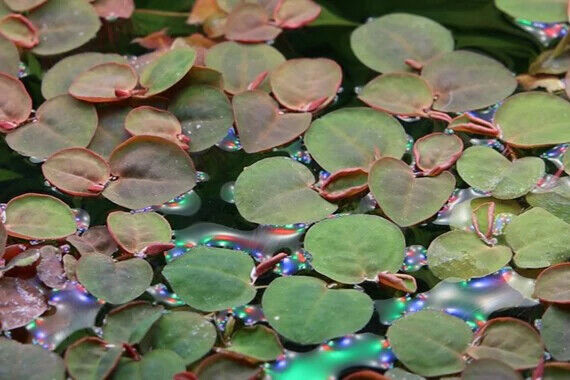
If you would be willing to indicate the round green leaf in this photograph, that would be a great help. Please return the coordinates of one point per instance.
(64, 25)
(509, 340)
(150, 171)
(403, 198)
(150, 121)
(305, 317)
(437, 151)
(9, 57)
(205, 114)
(430, 343)
(555, 331)
(260, 124)
(349, 138)
(486, 169)
(398, 93)
(110, 130)
(130, 323)
(465, 81)
(76, 170)
(538, 238)
(156, 365)
(461, 254)
(135, 232)
(354, 248)
(535, 10)
(241, 64)
(485, 369)
(16, 104)
(59, 77)
(62, 122)
(114, 282)
(555, 199)
(552, 285)
(91, 358)
(265, 191)
(258, 342)
(188, 334)
(29, 361)
(96, 239)
(23, 5)
(40, 217)
(385, 43)
(167, 69)
(533, 119)
(100, 83)
(220, 278)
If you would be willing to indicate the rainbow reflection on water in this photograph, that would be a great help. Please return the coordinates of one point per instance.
(543, 31)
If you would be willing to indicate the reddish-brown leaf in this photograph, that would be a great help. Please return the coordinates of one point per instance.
(20, 302)
(250, 23)
(19, 30)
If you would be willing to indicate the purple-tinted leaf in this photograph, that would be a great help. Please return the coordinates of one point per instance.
(50, 269)
(96, 239)
(21, 301)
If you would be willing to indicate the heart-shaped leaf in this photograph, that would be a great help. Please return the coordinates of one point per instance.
(137, 232)
(91, 358)
(385, 43)
(465, 81)
(23, 5)
(432, 351)
(59, 77)
(484, 369)
(555, 331)
(538, 238)
(77, 171)
(21, 301)
(292, 14)
(351, 137)
(403, 198)
(305, 319)
(9, 57)
(19, 30)
(486, 169)
(157, 364)
(61, 122)
(29, 361)
(205, 114)
(354, 248)
(64, 25)
(555, 199)
(306, 84)
(167, 69)
(220, 278)
(114, 282)
(188, 334)
(258, 342)
(260, 124)
(552, 285)
(437, 151)
(150, 171)
(37, 216)
(398, 93)
(265, 191)
(509, 340)
(518, 117)
(250, 23)
(150, 121)
(543, 10)
(130, 323)
(106, 82)
(16, 104)
(461, 254)
(241, 64)
(110, 131)
(96, 239)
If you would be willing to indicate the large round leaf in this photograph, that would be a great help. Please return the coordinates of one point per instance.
(9, 57)
(305, 317)
(130, 323)
(405, 199)
(354, 248)
(259, 342)
(37, 216)
(535, 10)
(21, 302)
(156, 365)
(461, 254)
(533, 119)
(167, 69)
(135, 232)
(553, 284)
(16, 104)
(150, 121)
(110, 130)
(555, 332)
(205, 114)
(266, 190)
(77, 171)
(64, 25)
(114, 282)
(58, 78)
(464, 81)
(385, 43)
(306, 84)
(220, 278)
(486, 169)
(538, 238)
(29, 361)
(398, 93)
(106, 82)
(90, 358)
(485, 369)
(242, 64)
(437, 151)
(349, 138)
(509, 340)
(150, 171)
(260, 124)
(555, 199)
(430, 343)
(62, 122)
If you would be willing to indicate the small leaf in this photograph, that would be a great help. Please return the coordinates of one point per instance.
(136, 232)
(106, 82)
(110, 131)
(91, 358)
(9, 58)
(265, 191)
(218, 366)
(437, 151)
(484, 369)
(258, 342)
(304, 318)
(344, 184)
(292, 14)
(260, 124)
(432, 351)
(555, 199)
(250, 23)
(220, 278)
(29, 361)
(50, 270)
(23, 5)
(306, 84)
(113, 9)
(157, 364)
(16, 105)
(399, 281)
(354, 248)
(150, 121)
(19, 30)
(114, 282)
(21, 301)
(543, 10)
(555, 331)
(129, 323)
(96, 239)
(202, 10)
(166, 70)
(39, 217)
(552, 285)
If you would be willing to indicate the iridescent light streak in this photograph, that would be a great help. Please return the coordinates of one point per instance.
(457, 211)
(330, 359)
(544, 32)
(297, 151)
(186, 204)
(414, 258)
(297, 261)
(473, 300)
(82, 219)
(248, 314)
(161, 294)
(231, 142)
(555, 155)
